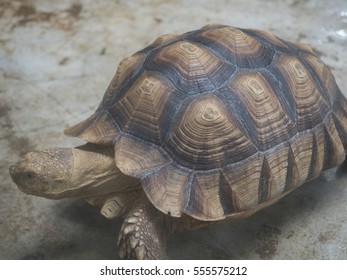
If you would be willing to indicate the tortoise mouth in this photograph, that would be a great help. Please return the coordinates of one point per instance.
(12, 170)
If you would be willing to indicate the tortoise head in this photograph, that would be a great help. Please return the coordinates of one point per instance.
(46, 173)
(83, 171)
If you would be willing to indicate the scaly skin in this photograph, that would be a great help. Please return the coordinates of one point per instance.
(144, 232)
(114, 205)
(89, 172)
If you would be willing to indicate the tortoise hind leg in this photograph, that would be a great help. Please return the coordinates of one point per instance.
(114, 205)
(144, 232)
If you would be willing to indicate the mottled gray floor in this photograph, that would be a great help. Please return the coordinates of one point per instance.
(55, 63)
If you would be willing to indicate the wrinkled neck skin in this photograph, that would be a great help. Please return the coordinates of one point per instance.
(71, 172)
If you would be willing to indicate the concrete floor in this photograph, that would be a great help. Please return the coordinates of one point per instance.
(56, 61)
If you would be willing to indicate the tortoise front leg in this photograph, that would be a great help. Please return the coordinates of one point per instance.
(144, 232)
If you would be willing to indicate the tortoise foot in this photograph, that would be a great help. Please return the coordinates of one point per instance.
(143, 234)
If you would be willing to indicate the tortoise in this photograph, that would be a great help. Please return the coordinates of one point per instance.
(194, 129)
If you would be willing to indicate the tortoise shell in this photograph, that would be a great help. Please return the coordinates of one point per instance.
(218, 121)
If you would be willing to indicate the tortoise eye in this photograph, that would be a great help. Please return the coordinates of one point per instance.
(30, 175)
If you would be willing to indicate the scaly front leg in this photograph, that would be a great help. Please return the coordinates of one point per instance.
(144, 232)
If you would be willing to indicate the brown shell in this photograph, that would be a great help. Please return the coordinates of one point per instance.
(220, 121)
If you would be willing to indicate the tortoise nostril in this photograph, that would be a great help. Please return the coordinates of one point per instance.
(12, 170)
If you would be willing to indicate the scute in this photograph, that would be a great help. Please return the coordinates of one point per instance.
(221, 121)
(143, 111)
(98, 129)
(207, 136)
(235, 46)
(310, 106)
(270, 122)
(191, 67)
